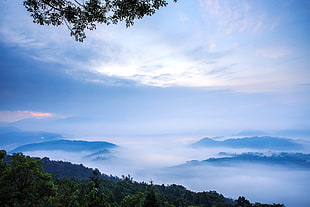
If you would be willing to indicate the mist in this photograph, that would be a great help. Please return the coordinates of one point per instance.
(163, 161)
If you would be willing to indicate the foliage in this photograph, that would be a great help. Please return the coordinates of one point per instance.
(62, 169)
(24, 183)
(243, 202)
(133, 201)
(150, 197)
(81, 15)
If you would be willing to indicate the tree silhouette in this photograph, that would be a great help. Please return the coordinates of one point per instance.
(79, 15)
(243, 202)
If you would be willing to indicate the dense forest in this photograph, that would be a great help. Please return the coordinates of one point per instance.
(36, 182)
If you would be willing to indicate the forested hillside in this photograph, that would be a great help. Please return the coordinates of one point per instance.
(26, 181)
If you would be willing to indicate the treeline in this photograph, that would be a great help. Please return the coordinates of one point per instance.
(25, 183)
(61, 169)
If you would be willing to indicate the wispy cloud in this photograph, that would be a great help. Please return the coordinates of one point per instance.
(272, 52)
(235, 16)
(20, 39)
(11, 116)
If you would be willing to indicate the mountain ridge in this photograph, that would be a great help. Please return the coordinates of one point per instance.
(255, 142)
(66, 145)
(284, 159)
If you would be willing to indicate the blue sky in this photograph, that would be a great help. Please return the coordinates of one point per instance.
(195, 68)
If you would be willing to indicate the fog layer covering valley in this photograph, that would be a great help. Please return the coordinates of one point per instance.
(166, 160)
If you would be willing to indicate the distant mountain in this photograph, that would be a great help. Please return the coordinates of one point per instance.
(296, 160)
(96, 150)
(33, 123)
(264, 142)
(53, 124)
(11, 137)
(295, 133)
(66, 145)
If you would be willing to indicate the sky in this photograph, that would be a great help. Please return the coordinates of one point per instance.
(195, 68)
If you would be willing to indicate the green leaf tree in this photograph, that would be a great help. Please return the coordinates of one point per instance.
(150, 197)
(132, 201)
(79, 15)
(24, 183)
(94, 194)
(2, 164)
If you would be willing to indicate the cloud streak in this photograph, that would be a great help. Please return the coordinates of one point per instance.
(12, 116)
(272, 52)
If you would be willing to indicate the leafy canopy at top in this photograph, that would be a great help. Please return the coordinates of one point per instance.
(79, 15)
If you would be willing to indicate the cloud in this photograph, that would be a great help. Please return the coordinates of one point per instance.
(258, 183)
(138, 54)
(12, 116)
(272, 52)
(37, 114)
(234, 16)
(156, 56)
(20, 39)
(183, 17)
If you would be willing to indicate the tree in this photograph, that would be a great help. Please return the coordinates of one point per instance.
(2, 164)
(132, 201)
(24, 183)
(79, 15)
(150, 197)
(243, 202)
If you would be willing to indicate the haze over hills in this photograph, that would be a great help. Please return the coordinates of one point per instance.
(55, 124)
(208, 170)
(15, 140)
(95, 150)
(96, 126)
(11, 137)
(291, 133)
(264, 142)
(66, 145)
(51, 122)
(283, 159)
